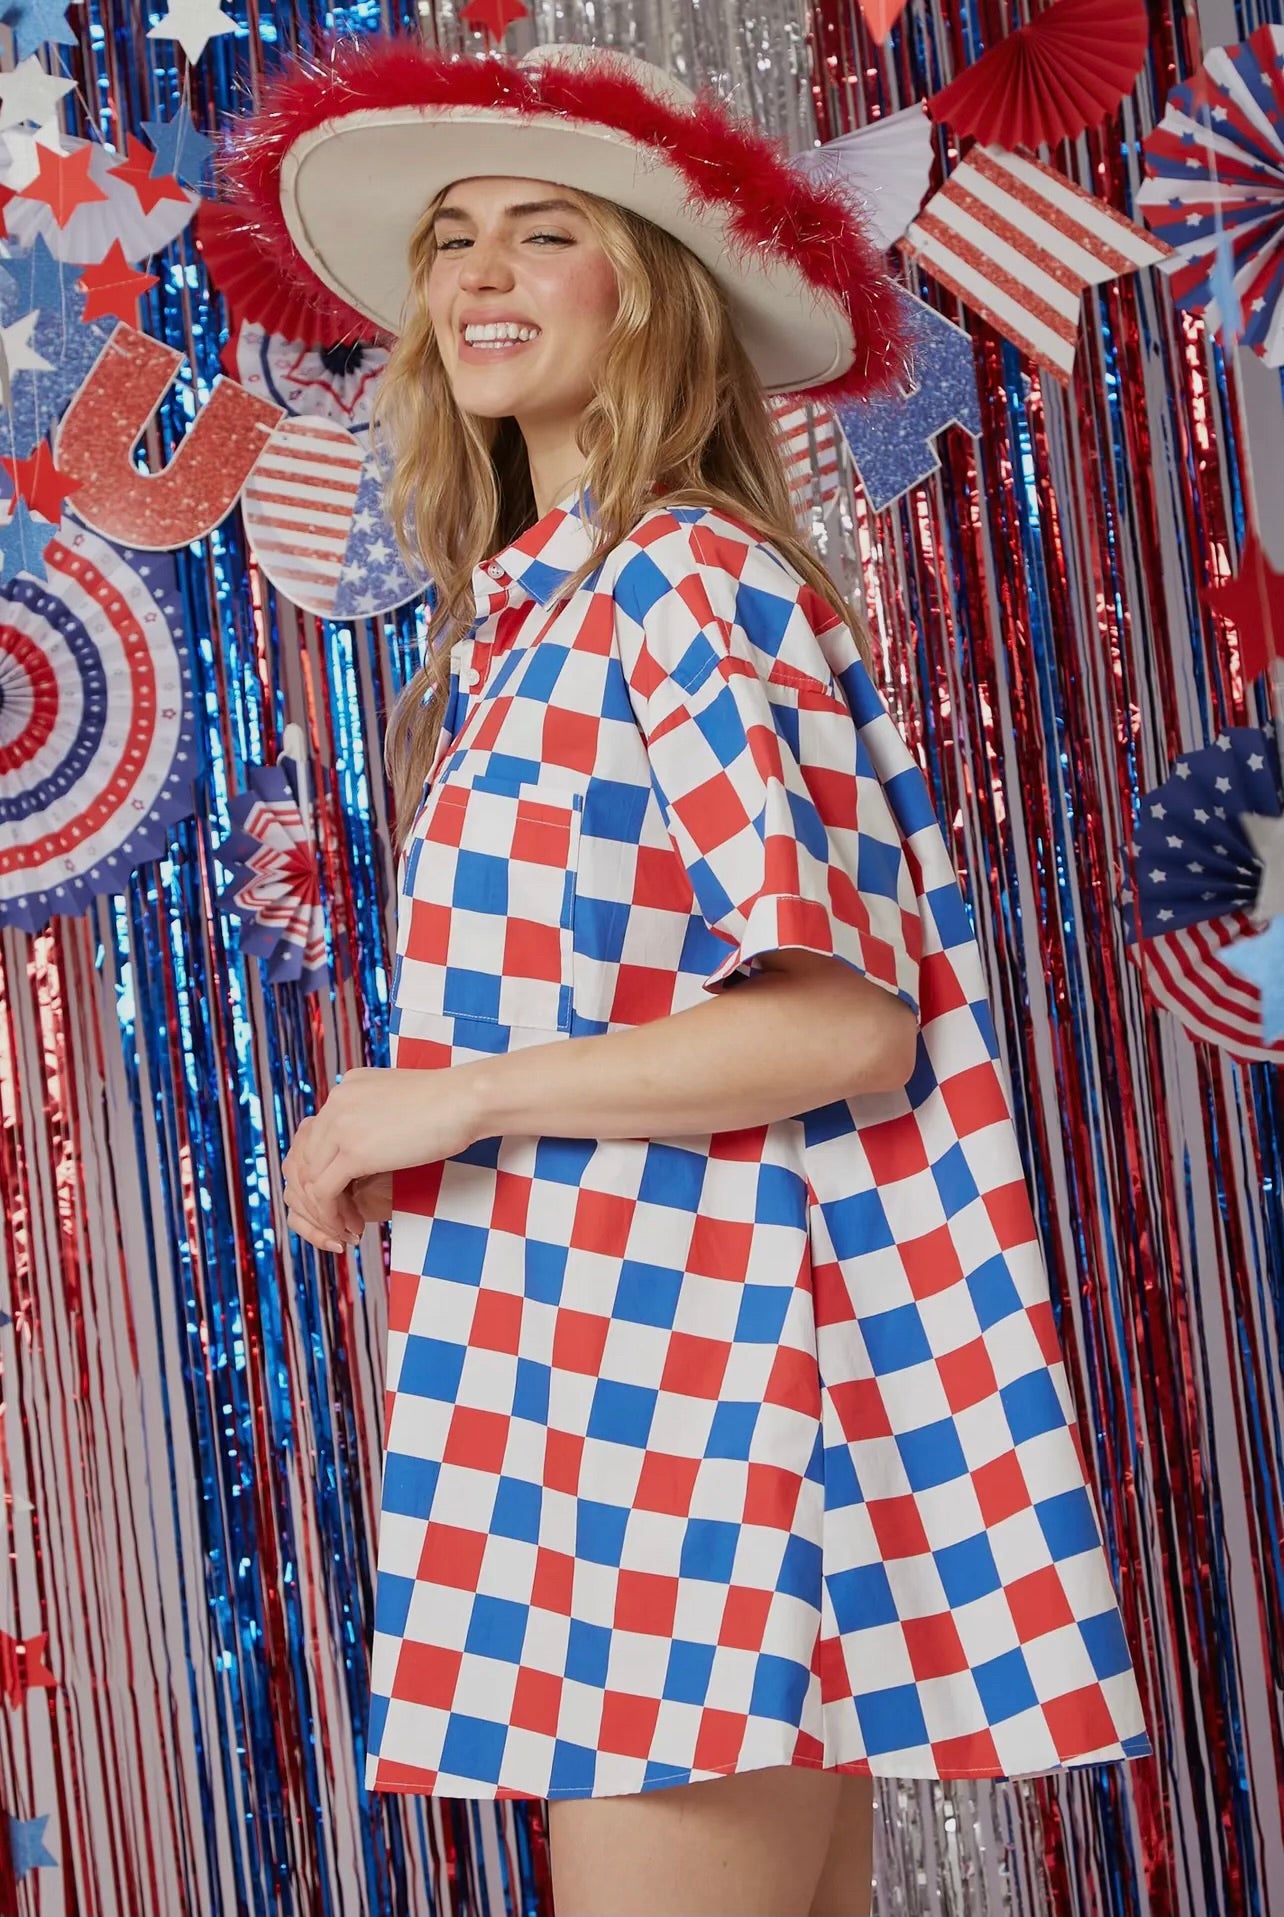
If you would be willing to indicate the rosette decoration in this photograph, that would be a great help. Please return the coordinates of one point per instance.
(275, 886)
(335, 382)
(1064, 71)
(1215, 166)
(883, 168)
(1207, 871)
(97, 732)
(109, 198)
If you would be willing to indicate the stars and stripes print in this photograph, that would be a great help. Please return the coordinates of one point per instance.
(711, 1452)
(810, 444)
(298, 504)
(1215, 166)
(1018, 242)
(1194, 881)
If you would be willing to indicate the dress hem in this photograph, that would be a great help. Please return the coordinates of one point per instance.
(853, 1767)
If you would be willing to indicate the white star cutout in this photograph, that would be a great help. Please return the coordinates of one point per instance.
(19, 354)
(1266, 836)
(22, 153)
(193, 23)
(29, 93)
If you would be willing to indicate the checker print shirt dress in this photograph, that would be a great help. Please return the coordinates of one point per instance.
(710, 1453)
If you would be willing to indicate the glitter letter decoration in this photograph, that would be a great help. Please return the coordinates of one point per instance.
(201, 483)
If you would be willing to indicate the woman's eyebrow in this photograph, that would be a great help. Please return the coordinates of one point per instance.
(518, 211)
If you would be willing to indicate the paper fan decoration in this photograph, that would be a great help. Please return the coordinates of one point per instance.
(95, 225)
(1215, 166)
(1198, 878)
(883, 168)
(97, 735)
(810, 446)
(1049, 80)
(250, 293)
(337, 383)
(275, 886)
(313, 513)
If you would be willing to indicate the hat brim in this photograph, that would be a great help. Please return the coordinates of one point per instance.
(354, 189)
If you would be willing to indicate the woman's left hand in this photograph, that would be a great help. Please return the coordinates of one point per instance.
(376, 1119)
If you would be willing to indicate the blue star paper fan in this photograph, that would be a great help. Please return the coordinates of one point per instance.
(1195, 878)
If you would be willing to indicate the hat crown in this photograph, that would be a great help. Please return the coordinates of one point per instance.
(631, 66)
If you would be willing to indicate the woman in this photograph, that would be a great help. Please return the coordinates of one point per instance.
(730, 1458)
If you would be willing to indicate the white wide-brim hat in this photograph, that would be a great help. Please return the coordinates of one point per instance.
(329, 178)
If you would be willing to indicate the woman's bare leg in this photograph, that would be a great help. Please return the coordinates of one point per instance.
(846, 1887)
(750, 1845)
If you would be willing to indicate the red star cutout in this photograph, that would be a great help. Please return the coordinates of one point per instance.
(494, 17)
(23, 1667)
(63, 182)
(136, 169)
(114, 287)
(1253, 602)
(37, 480)
(7, 193)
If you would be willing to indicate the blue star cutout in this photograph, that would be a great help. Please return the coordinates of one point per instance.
(180, 148)
(47, 284)
(22, 544)
(35, 281)
(1260, 960)
(891, 438)
(34, 23)
(27, 1843)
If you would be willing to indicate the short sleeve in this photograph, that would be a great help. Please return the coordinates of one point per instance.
(768, 794)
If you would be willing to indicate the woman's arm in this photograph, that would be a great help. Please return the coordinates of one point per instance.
(806, 1030)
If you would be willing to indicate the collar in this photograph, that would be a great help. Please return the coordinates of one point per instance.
(539, 561)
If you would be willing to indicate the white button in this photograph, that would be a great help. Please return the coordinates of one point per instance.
(474, 679)
(495, 570)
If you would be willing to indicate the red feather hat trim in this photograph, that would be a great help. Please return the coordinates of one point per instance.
(725, 162)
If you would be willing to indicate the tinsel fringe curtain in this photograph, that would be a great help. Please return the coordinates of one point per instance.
(191, 1408)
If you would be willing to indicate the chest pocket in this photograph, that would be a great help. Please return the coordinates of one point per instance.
(486, 912)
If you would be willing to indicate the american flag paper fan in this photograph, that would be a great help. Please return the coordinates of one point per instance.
(1195, 878)
(275, 886)
(1215, 166)
(810, 446)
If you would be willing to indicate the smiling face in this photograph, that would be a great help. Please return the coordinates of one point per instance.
(519, 251)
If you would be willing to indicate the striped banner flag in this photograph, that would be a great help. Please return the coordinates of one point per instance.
(1018, 243)
(298, 505)
(810, 447)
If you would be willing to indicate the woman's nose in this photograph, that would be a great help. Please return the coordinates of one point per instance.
(485, 265)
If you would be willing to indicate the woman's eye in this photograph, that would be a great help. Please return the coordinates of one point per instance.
(558, 239)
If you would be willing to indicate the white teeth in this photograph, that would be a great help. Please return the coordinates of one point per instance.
(503, 332)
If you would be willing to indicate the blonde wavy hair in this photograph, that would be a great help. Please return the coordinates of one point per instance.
(677, 404)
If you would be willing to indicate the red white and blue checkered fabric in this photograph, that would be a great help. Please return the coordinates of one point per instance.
(711, 1453)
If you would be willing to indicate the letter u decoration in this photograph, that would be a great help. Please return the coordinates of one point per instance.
(197, 488)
